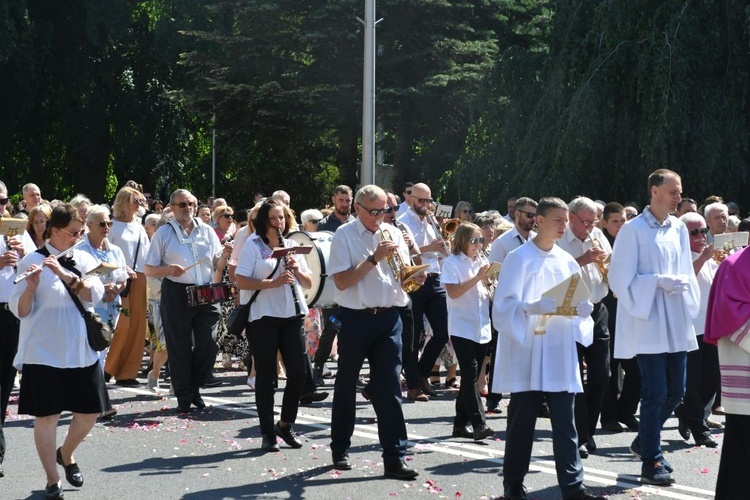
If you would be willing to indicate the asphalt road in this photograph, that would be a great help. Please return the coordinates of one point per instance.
(148, 451)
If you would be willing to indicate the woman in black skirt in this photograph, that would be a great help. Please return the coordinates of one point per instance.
(60, 371)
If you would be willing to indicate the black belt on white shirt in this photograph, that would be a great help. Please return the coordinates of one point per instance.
(372, 310)
(4, 306)
(433, 275)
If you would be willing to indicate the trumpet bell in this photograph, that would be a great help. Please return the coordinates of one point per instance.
(409, 275)
(449, 227)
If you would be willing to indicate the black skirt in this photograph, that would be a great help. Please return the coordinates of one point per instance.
(46, 390)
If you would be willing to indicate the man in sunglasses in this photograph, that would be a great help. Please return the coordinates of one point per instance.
(658, 296)
(586, 243)
(406, 205)
(702, 380)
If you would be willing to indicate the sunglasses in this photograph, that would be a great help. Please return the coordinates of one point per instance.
(228, 216)
(74, 234)
(702, 230)
(138, 201)
(184, 204)
(391, 209)
(474, 241)
(529, 215)
(467, 211)
(375, 212)
(631, 216)
(408, 192)
(105, 223)
(3, 201)
(422, 201)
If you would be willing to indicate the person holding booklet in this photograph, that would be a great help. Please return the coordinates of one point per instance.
(537, 358)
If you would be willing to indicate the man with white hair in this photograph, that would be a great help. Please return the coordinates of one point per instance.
(32, 198)
(716, 215)
(282, 196)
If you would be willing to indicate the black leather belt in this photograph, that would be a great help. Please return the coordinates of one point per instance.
(4, 306)
(433, 275)
(373, 310)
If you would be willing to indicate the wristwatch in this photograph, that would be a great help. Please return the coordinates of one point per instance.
(371, 259)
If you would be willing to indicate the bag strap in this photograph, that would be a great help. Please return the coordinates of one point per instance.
(255, 295)
(137, 247)
(73, 296)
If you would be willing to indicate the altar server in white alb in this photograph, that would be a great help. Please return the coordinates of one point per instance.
(537, 358)
(651, 273)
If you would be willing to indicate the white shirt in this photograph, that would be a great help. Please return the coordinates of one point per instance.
(54, 333)
(7, 273)
(171, 245)
(705, 278)
(352, 243)
(469, 314)
(424, 234)
(506, 243)
(126, 236)
(526, 361)
(256, 262)
(240, 238)
(649, 320)
(590, 272)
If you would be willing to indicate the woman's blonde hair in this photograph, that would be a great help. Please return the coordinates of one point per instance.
(464, 232)
(123, 197)
(221, 210)
(45, 209)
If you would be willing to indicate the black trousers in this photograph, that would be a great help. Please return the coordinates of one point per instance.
(190, 333)
(470, 357)
(589, 402)
(269, 336)
(325, 344)
(9, 326)
(701, 380)
(428, 301)
(733, 482)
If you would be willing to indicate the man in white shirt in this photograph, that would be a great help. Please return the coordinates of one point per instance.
(587, 245)
(369, 297)
(716, 215)
(186, 252)
(652, 275)
(536, 353)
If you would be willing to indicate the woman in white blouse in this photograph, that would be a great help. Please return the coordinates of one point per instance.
(276, 319)
(463, 278)
(126, 352)
(60, 371)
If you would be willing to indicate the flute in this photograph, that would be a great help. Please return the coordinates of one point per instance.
(58, 255)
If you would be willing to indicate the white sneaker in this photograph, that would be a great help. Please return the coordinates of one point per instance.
(152, 383)
(251, 383)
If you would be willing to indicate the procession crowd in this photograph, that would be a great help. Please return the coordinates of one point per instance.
(582, 312)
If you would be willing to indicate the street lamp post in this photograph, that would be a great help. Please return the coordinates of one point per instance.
(367, 169)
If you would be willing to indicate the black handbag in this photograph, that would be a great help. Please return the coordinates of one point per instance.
(98, 333)
(126, 290)
(237, 320)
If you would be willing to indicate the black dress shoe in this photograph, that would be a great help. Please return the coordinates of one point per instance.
(482, 432)
(591, 445)
(706, 441)
(72, 471)
(317, 376)
(424, 384)
(583, 451)
(341, 461)
(212, 381)
(515, 491)
(198, 402)
(183, 408)
(54, 491)
(584, 494)
(312, 397)
(613, 427)
(269, 443)
(128, 382)
(544, 411)
(399, 470)
(462, 432)
(631, 423)
(288, 435)
(2, 472)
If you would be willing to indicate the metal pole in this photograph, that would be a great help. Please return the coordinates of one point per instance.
(213, 158)
(367, 173)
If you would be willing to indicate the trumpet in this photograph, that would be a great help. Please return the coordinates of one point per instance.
(439, 231)
(64, 253)
(403, 273)
(449, 227)
(603, 264)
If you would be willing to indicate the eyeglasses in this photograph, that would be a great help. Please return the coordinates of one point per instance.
(138, 201)
(3, 201)
(315, 221)
(586, 223)
(105, 223)
(74, 234)
(529, 215)
(474, 241)
(422, 201)
(392, 209)
(184, 204)
(467, 211)
(228, 216)
(702, 230)
(375, 212)
(631, 216)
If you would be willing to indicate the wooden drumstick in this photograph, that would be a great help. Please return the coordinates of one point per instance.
(197, 264)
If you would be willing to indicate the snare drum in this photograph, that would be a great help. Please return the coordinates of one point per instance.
(320, 293)
(199, 295)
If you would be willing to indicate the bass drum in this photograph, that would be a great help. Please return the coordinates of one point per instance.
(321, 292)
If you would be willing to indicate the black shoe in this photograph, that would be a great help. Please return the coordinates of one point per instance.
(591, 445)
(655, 473)
(366, 393)
(198, 402)
(631, 423)
(635, 448)
(269, 443)
(424, 384)
(288, 435)
(493, 407)
(706, 441)
(515, 491)
(613, 427)
(54, 491)
(2, 472)
(583, 451)
(128, 382)
(482, 432)
(72, 471)
(317, 376)
(584, 494)
(183, 408)
(683, 429)
(544, 411)
(462, 432)
(107, 377)
(341, 461)
(399, 470)
(312, 397)
(212, 381)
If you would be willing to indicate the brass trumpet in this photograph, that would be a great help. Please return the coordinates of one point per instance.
(449, 227)
(403, 273)
(603, 264)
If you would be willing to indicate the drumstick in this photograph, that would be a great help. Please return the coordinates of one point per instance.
(197, 264)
